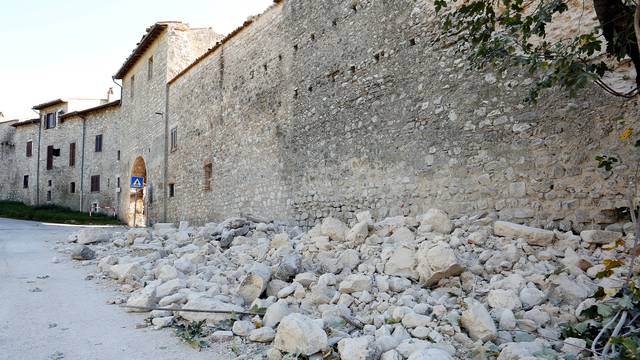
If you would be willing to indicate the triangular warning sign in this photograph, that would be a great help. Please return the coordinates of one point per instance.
(136, 183)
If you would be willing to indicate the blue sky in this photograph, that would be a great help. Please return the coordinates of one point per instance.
(71, 48)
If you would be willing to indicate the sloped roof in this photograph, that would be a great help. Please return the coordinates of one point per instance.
(153, 32)
(25, 122)
(91, 110)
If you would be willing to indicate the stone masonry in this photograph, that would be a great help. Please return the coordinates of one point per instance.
(326, 108)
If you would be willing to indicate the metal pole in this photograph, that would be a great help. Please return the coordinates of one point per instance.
(135, 207)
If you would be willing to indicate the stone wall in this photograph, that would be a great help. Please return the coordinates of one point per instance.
(326, 108)
(24, 165)
(8, 150)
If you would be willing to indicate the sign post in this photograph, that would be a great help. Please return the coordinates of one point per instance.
(137, 182)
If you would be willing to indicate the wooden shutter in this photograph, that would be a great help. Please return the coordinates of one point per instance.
(95, 183)
(29, 148)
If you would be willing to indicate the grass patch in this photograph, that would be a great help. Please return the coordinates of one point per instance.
(53, 214)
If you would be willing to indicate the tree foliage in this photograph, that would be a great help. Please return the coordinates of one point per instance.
(505, 33)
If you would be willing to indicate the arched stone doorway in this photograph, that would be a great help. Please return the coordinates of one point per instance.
(137, 215)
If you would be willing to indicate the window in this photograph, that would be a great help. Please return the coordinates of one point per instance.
(49, 157)
(118, 155)
(25, 182)
(174, 139)
(99, 143)
(49, 183)
(208, 172)
(133, 86)
(50, 120)
(95, 183)
(49, 195)
(150, 68)
(118, 182)
(29, 148)
(72, 188)
(172, 190)
(72, 154)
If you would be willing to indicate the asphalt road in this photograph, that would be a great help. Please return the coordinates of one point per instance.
(63, 316)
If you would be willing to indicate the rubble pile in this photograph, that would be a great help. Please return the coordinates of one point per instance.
(424, 287)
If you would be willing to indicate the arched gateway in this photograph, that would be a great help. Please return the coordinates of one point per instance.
(137, 215)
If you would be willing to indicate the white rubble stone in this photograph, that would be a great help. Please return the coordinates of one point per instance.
(106, 262)
(145, 297)
(170, 287)
(360, 348)
(306, 279)
(519, 350)
(507, 320)
(263, 334)
(126, 272)
(162, 322)
(391, 355)
(531, 296)
(166, 273)
(275, 313)
(533, 236)
(412, 320)
(437, 219)
(82, 252)
(358, 233)
(436, 263)
(243, 328)
(573, 346)
(355, 283)
(600, 236)
(335, 229)
(503, 299)
(299, 334)
(205, 303)
(477, 321)
(402, 263)
(363, 216)
(430, 354)
(402, 235)
(93, 236)
(274, 354)
(254, 283)
(184, 264)
(177, 298)
(399, 284)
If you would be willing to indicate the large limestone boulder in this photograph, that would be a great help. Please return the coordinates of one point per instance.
(275, 313)
(205, 303)
(136, 233)
(298, 334)
(170, 287)
(145, 297)
(477, 321)
(600, 236)
(358, 233)
(93, 236)
(402, 263)
(435, 219)
(436, 263)
(335, 229)
(360, 348)
(533, 236)
(254, 283)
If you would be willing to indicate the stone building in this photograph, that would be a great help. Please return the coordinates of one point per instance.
(319, 108)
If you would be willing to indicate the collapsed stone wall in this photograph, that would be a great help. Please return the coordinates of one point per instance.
(327, 108)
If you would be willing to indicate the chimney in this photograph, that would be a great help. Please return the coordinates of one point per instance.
(109, 94)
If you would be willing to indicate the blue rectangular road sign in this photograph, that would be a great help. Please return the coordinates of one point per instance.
(137, 182)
